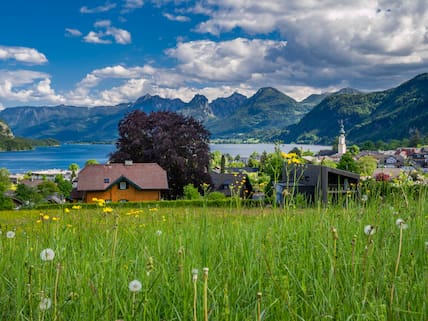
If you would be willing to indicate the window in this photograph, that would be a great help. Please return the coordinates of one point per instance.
(106, 180)
(122, 185)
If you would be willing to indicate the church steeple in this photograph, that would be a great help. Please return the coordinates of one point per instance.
(341, 147)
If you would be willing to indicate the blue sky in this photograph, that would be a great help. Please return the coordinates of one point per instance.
(90, 53)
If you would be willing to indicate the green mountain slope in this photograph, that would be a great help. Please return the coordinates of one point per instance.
(385, 115)
(267, 110)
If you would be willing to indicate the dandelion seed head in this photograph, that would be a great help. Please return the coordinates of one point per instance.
(135, 286)
(45, 304)
(364, 198)
(158, 232)
(10, 234)
(195, 274)
(401, 223)
(369, 230)
(47, 255)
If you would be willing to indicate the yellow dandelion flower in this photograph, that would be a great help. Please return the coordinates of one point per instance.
(39, 221)
(76, 207)
(67, 210)
(94, 199)
(55, 218)
(46, 217)
(107, 210)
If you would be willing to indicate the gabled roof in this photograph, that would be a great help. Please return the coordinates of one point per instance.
(143, 176)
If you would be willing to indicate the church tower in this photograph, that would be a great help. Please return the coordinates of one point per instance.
(341, 146)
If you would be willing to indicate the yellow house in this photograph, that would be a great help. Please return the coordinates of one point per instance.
(122, 182)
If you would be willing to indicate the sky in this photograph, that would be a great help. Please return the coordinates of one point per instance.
(92, 53)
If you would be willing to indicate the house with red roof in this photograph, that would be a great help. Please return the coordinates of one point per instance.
(122, 182)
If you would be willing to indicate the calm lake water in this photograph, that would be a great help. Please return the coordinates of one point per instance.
(60, 157)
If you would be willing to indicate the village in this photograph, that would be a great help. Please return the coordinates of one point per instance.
(136, 182)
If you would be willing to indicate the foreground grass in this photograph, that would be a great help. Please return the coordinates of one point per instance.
(264, 264)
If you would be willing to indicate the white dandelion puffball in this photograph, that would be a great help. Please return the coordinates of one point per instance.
(195, 275)
(10, 234)
(135, 286)
(401, 223)
(47, 255)
(45, 304)
(369, 230)
(158, 232)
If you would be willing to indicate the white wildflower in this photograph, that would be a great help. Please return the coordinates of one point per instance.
(10, 234)
(47, 255)
(45, 304)
(401, 223)
(364, 198)
(158, 232)
(369, 230)
(135, 286)
(195, 275)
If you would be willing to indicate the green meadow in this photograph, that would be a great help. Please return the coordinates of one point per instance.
(356, 261)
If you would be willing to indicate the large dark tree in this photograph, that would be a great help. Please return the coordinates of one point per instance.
(179, 144)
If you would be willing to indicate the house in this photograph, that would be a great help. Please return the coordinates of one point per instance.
(232, 184)
(391, 161)
(122, 182)
(316, 182)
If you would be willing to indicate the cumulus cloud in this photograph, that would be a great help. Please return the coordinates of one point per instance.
(106, 32)
(176, 18)
(27, 86)
(73, 32)
(132, 5)
(331, 40)
(236, 59)
(22, 54)
(104, 8)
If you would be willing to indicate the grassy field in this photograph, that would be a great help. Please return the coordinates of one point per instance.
(336, 263)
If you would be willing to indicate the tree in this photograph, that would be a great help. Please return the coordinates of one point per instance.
(27, 194)
(179, 144)
(367, 165)
(91, 162)
(64, 185)
(47, 188)
(74, 168)
(5, 202)
(347, 163)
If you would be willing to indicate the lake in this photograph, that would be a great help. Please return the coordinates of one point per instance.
(60, 157)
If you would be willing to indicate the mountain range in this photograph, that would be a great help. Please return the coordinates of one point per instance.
(268, 115)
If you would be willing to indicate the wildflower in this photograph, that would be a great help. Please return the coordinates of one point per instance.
(10, 234)
(46, 217)
(45, 304)
(76, 207)
(158, 232)
(364, 198)
(55, 218)
(39, 221)
(47, 255)
(107, 210)
(135, 286)
(195, 275)
(401, 223)
(67, 210)
(369, 230)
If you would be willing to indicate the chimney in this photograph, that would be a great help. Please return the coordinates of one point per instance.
(128, 163)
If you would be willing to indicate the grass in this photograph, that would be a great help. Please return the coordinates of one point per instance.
(264, 263)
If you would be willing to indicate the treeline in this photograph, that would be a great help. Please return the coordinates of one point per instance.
(8, 144)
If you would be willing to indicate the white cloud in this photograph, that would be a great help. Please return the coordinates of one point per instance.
(22, 54)
(231, 60)
(104, 8)
(341, 40)
(96, 37)
(133, 4)
(73, 32)
(27, 86)
(106, 32)
(176, 18)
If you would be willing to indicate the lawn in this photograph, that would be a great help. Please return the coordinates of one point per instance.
(353, 262)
